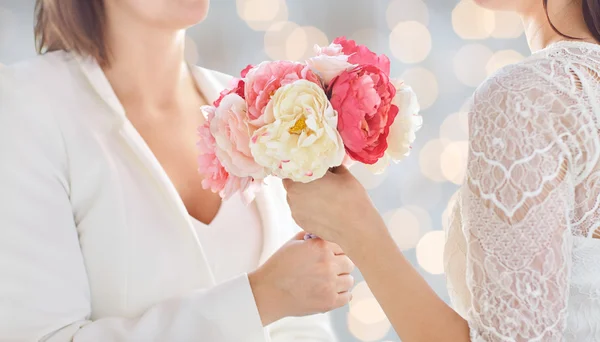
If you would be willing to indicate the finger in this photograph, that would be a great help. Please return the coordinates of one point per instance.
(345, 265)
(344, 283)
(343, 299)
(340, 170)
(299, 236)
(337, 250)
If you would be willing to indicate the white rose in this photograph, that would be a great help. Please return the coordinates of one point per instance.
(302, 141)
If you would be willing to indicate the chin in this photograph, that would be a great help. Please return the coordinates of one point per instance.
(181, 14)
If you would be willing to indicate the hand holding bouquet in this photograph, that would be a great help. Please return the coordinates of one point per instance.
(297, 120)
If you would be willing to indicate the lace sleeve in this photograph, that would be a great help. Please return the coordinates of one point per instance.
(516, 209)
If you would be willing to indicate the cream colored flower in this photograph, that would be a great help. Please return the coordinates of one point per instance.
(403, 130)
(300, 140)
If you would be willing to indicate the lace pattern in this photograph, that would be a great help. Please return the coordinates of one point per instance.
(520, 257)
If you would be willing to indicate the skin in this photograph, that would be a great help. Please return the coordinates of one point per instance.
(337, 208)
(149, 75)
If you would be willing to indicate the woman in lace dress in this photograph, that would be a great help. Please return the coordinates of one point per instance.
(523, 255)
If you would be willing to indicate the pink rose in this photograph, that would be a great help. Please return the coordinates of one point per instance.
(329, 62)
(363, 99)
(263, 81)
(215, 177)
(361, 55)
(229, 128)
(236, 86)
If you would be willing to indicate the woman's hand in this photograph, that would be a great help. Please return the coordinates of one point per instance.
(302, 278)
(336, 208)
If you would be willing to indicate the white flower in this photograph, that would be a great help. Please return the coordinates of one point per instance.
(403, 130)
(301, 142)
(329, 62)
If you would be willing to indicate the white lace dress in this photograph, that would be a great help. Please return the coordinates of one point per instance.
(523, 255)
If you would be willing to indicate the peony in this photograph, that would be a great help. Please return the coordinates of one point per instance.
(215, 176)
(403, 130)
(363, 99)
(229, 128)
(361, 55)
(329, 62)
(265, 79)
(301, 141)
(236, 86)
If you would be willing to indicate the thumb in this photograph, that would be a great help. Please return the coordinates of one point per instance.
(340, 170)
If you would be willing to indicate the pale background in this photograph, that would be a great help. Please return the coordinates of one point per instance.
(443, 48)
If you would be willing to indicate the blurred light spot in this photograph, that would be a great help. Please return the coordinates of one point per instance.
(430, 252)
(424, 83)
(276, 39)
(421, 193)
(501, 59)
(423, 217)
(368, 311)
(361, 292)
(406, 10)
(455, 127)
(429, 160)
(410, 42)
(508, 25)
(367, 178)
(454, 161)
(470, 64)
(448, 211)
(368, 332)
(296, 44)
(261, 14)
(302, 40)
(404, 228)
(191, 51)
(471, 21)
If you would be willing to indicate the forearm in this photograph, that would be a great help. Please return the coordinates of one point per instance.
(415, 311)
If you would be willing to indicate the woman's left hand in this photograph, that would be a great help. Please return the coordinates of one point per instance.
(336, 208)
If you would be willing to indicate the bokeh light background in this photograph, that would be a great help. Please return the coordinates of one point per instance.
(443, 48)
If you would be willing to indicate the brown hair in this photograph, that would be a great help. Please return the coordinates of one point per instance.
(72, 25)
(591, 14)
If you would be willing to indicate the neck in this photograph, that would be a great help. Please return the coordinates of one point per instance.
(147, 64)
(567, 17)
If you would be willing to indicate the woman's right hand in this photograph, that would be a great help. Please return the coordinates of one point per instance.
(303, 277)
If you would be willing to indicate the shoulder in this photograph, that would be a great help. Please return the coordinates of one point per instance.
(29, 95)
(521, 109)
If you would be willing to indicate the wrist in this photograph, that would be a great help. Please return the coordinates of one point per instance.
(265, 297)
(364, 243)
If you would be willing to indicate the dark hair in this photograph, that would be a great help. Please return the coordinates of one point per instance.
(591, 14)
(72, 25)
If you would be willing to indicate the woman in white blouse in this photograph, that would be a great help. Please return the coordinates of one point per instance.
(105, 231)
(523, 248)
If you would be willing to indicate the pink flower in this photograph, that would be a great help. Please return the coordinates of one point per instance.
(361, 55)
(263, 81)
(363, 99)
(329, 62)
(215, 176)
(236, 86)
(229, 127)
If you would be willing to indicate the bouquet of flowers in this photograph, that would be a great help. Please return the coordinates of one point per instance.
(297, 120)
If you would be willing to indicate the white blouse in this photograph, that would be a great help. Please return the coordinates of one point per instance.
(523, 255)
(96, 243)
(233, 240)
